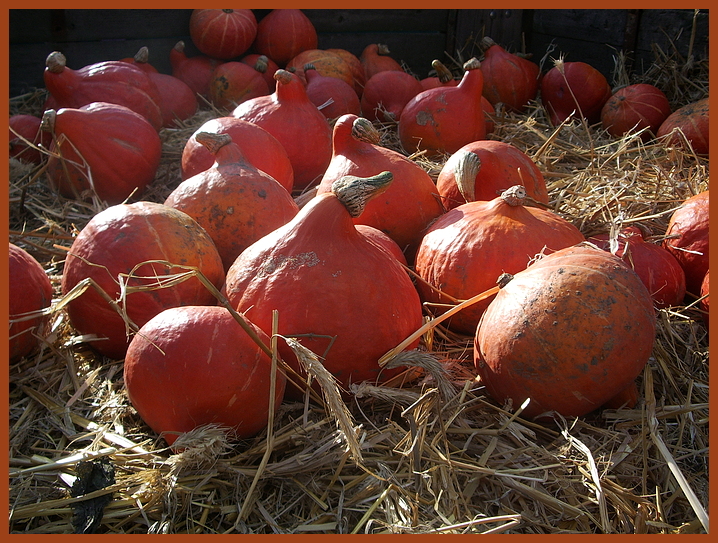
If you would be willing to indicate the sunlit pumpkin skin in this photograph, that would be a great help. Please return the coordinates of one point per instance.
(705, 298)
(357, 69)
(258, 146)
(195, 71)
(508, 78)
(195, 365)
(443, 119)
(574, 89)
(223, 33)
(410, 203)
(111, 81)
(693, 122)
(495, 167)
(570, 332)
(24, 129)
(284, 33)
(233, 201)
(264, 65)
(30, 290)
(687, 239)
(111, 144)
(324, 278)
(386, 93)
(375, 58)
(634, 108)
(234, 82)
(333, 96)
(123, 239)
(325, 62)
(290, 116)
(658, 269)
(464, 251)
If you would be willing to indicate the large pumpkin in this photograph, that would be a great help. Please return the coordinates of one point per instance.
(284, 33)
(569, 333)
(101, 149)
(127, 246)
(30, 293)
(222, 33)
(483, 169)
(340, 295)
(464, 251)
(196, 365)
(233, 201)
(687, 239)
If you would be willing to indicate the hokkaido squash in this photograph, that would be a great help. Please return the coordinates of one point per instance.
(375, 58)
(234, 82)
(223, 33)
(635, 107)
(569, 333)
(386, 93)
(264, 65)
(284, 33)
(509, 79)
(195, 71)
(692, 121)
(333, 96)
(325, 62)
(443, 77)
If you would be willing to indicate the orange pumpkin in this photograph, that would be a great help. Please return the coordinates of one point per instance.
(635, 107)
(234, 82)
(223, 33)
(692, 120)
(508, 78)
(386, 93)
(284, 33)
(375, 58)
(195, 71)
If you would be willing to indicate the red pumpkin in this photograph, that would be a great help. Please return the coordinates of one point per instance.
(284, 33)
(291, 117)
(333, 96)
(574, 89)
(325, 62)
(355, 65)
(234, 82)
(482, 170)
(386, 93)
(443, 77)
(222, 33)
(259, 147)
(508, 78)
(692, 121)
(195, 71)
(464, 251)
(106, 149)
(635, 107)
(178, 375)
(233, 201)
(410, 203)
(30, 293)
(705, 303)
(570, 333)
(443, 119)
(658, 269)
(264, 65)
(131, 243)
(25, 136)
(687, 239)
(323, 277)
(110, 81)
(377, 237)
(376, 58)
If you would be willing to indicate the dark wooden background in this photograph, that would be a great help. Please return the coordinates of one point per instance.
(415, 37)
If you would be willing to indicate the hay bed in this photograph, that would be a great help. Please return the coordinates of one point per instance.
(436, 456)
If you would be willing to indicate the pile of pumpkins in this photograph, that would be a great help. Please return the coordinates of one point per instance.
(293, 221)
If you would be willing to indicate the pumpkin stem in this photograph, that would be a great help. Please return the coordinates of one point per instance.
(354, 192)
(504, 279)
(283, 76)
(364, 130)
(213, 141)
(143, 55)
(56, 62)
(442, 72)
(179, 46)
(47, 124)
(486, 43)
(262, 64)
(382, 49)
(465, 174)
(472, 64)
(514, 196)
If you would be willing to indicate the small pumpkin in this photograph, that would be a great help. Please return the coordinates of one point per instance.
(570, 333)
(291, 117)
(110, 81)
(30, 293)
(223, 33)
(509, 79)
(693, 122)
(574, 90)
(125, 248)
(333, 96)
(464, 251)
(25, 136)
(386, 93)
(483, 169)
(687, 239)
(233, 201)
(635, 107)
(260, 148)
(179, 377)
(443, 119)
(323, 277)
(103, 149)
(195, 71)
(375, 58)
(284, 33)
(234, 82)
(660, 272)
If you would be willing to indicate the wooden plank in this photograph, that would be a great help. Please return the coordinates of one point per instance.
(378, 20)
